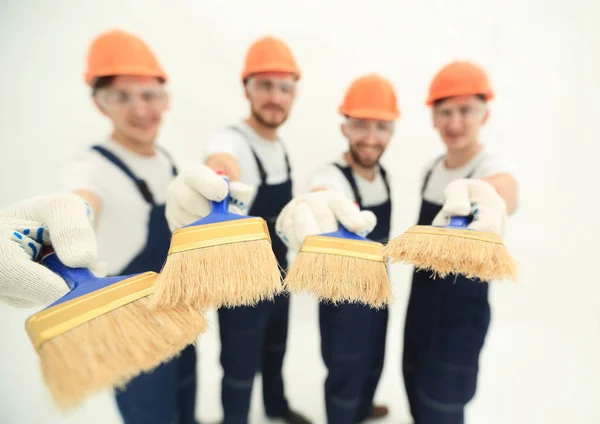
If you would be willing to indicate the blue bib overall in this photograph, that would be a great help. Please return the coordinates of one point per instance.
(253, 338)
(167, 394)
(446, 324)
(353, 337)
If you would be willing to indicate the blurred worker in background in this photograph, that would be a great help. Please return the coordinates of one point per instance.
(125, 180)
(353, 336)
(119, 187)
(254, 338)
(447, 319)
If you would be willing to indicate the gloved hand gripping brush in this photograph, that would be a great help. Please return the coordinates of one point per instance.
(224, 259)
(466, 237)
(97, 333)
(334, 263)
(102, 333)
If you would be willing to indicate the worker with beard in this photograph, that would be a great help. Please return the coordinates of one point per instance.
(254, 338)
(353, 336)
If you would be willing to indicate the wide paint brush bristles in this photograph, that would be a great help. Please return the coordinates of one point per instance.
(340, 279)
(111, 349)
(445, 253)
(341, 270)
(224, 275)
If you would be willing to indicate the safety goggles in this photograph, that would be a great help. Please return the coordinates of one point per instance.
(363, 127)
(466, 112)
(268, 86)
(155, 97)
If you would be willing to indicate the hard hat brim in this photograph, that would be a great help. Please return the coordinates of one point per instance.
(370, 114)
(453, 93)
(125, 70)
(267, 69)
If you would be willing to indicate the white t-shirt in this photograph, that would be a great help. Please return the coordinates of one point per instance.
(122, 225)
(373, 193)
(270, 153)
(483, 164)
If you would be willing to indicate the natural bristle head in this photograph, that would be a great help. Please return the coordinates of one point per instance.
(450, 254)
(219, 233)
(106, 352)
(224, 275)
(456, 232)
(339, 279)
(56, 320)
(367, 250)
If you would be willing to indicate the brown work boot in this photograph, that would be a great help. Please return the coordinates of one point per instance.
(379, 411)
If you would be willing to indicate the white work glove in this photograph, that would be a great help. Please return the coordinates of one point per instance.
(472, 196)
(63, 221)
(188, 196)
(321, 212)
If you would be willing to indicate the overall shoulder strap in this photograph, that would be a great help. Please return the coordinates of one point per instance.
(385, 181)
(470, 175)
(169, 158)
(287, 160)
(428, 175)
(347, 171)
(261, 168)
(141, 184)
(259, 165)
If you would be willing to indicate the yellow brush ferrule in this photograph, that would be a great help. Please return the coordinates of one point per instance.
(452, 232)
(368, 250)
(58, 319)
(219, 233)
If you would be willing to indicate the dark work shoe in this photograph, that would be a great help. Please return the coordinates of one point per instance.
(293, 417)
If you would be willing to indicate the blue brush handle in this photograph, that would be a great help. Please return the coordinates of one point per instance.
(218, 212)
(74, 277)
(458, 222)
(81, 281)
(343, 233)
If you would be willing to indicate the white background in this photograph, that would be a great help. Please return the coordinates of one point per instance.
(541, 360)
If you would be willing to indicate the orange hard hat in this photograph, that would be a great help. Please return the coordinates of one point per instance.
(371, 97)
(120, 53)
(459, 79)
(269, 54)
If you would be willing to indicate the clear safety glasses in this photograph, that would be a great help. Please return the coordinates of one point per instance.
(467, 112)
(118, 98)
(268, 87)
(363, 127)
